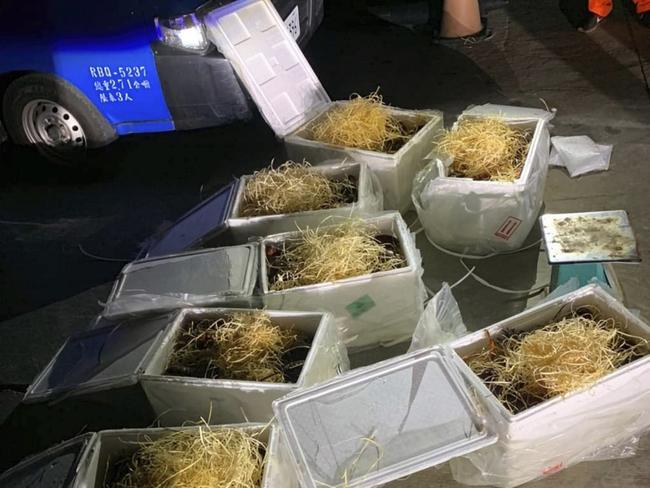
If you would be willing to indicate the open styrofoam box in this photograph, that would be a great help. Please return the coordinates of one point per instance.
(380, 423)
(218, 218)
(482, 217)
(370, 310)
(567, 429)
(132, 351)
(209, 277)
(253, 37)
(83, 462)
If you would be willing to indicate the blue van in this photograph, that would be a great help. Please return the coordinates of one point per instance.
(77, 74)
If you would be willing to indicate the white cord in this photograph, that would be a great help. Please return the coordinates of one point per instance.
(467, 275)
(471, 256)
(484, 282)
(101, 258)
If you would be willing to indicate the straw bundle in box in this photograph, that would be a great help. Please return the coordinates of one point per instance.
(240, 346)
(294, 187)
(206, 458)
(363, 123)
(486, 149)
(524, 369)
(330, 254)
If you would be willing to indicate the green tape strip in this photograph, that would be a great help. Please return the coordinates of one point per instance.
(360, 306)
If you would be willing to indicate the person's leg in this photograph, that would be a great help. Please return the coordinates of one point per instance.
(460, 18)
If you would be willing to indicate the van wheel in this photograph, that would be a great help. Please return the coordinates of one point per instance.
(49, 113)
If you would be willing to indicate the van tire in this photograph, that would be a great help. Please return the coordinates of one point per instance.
(44, 92)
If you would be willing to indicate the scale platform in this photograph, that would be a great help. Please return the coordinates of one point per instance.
(589, 237)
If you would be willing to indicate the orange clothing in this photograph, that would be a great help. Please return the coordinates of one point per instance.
(602, 8)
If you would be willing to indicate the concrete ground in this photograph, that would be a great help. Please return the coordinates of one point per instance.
(49, 288)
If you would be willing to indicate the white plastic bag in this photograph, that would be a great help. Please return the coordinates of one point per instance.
(510, 111)
(580, 154)
(440, 323)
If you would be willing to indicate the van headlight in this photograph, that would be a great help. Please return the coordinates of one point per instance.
(184, 32)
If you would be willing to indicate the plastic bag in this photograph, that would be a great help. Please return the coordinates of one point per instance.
(510, 111)
(483, 217)
(580, 154)
(440, 323)
(600, 422)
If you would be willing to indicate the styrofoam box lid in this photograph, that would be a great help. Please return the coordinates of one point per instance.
(103, 358)
(53, 468)
(381, 423)
(205, 220)
(224, 271)
(253, 37)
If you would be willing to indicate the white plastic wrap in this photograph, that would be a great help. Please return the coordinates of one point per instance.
(369, 310)
(83, 462)
(115, 444)
(176, 400)
(483, 217)
(395, 171)
(211, 277)
(510, 111)
(440, 323)
(601, 422)
(370, 200)
(580, 154)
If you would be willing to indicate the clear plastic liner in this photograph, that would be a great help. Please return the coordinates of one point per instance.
(483, 217)
(370, 200)
(123, 353)
(510, 111)
(600, 422)
(440, 323)
(222, 276)
(369, 310)
(580, 154)
(176, 400)
(395, 171)
(83, 462)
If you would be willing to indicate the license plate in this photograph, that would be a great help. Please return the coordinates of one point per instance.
(293, 23)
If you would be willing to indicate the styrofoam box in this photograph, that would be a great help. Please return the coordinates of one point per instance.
(481, 217)
(373, 309)
(395, 171)
(126, 352)
(177, 399)
(369, 201)
(217, 220)
(209, 277)
(83, 462)
(564, 430)
(253, 37)
(415, 409)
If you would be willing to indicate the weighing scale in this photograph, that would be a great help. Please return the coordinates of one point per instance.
(581, 245)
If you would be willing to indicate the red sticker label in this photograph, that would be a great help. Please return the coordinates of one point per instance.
(553, 469)
(508, 228)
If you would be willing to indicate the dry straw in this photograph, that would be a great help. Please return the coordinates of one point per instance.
(485, 149)
(363, 123)
(330, 254)
(524, 369)
(290, 188)
(240, 346)
(203, 458)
